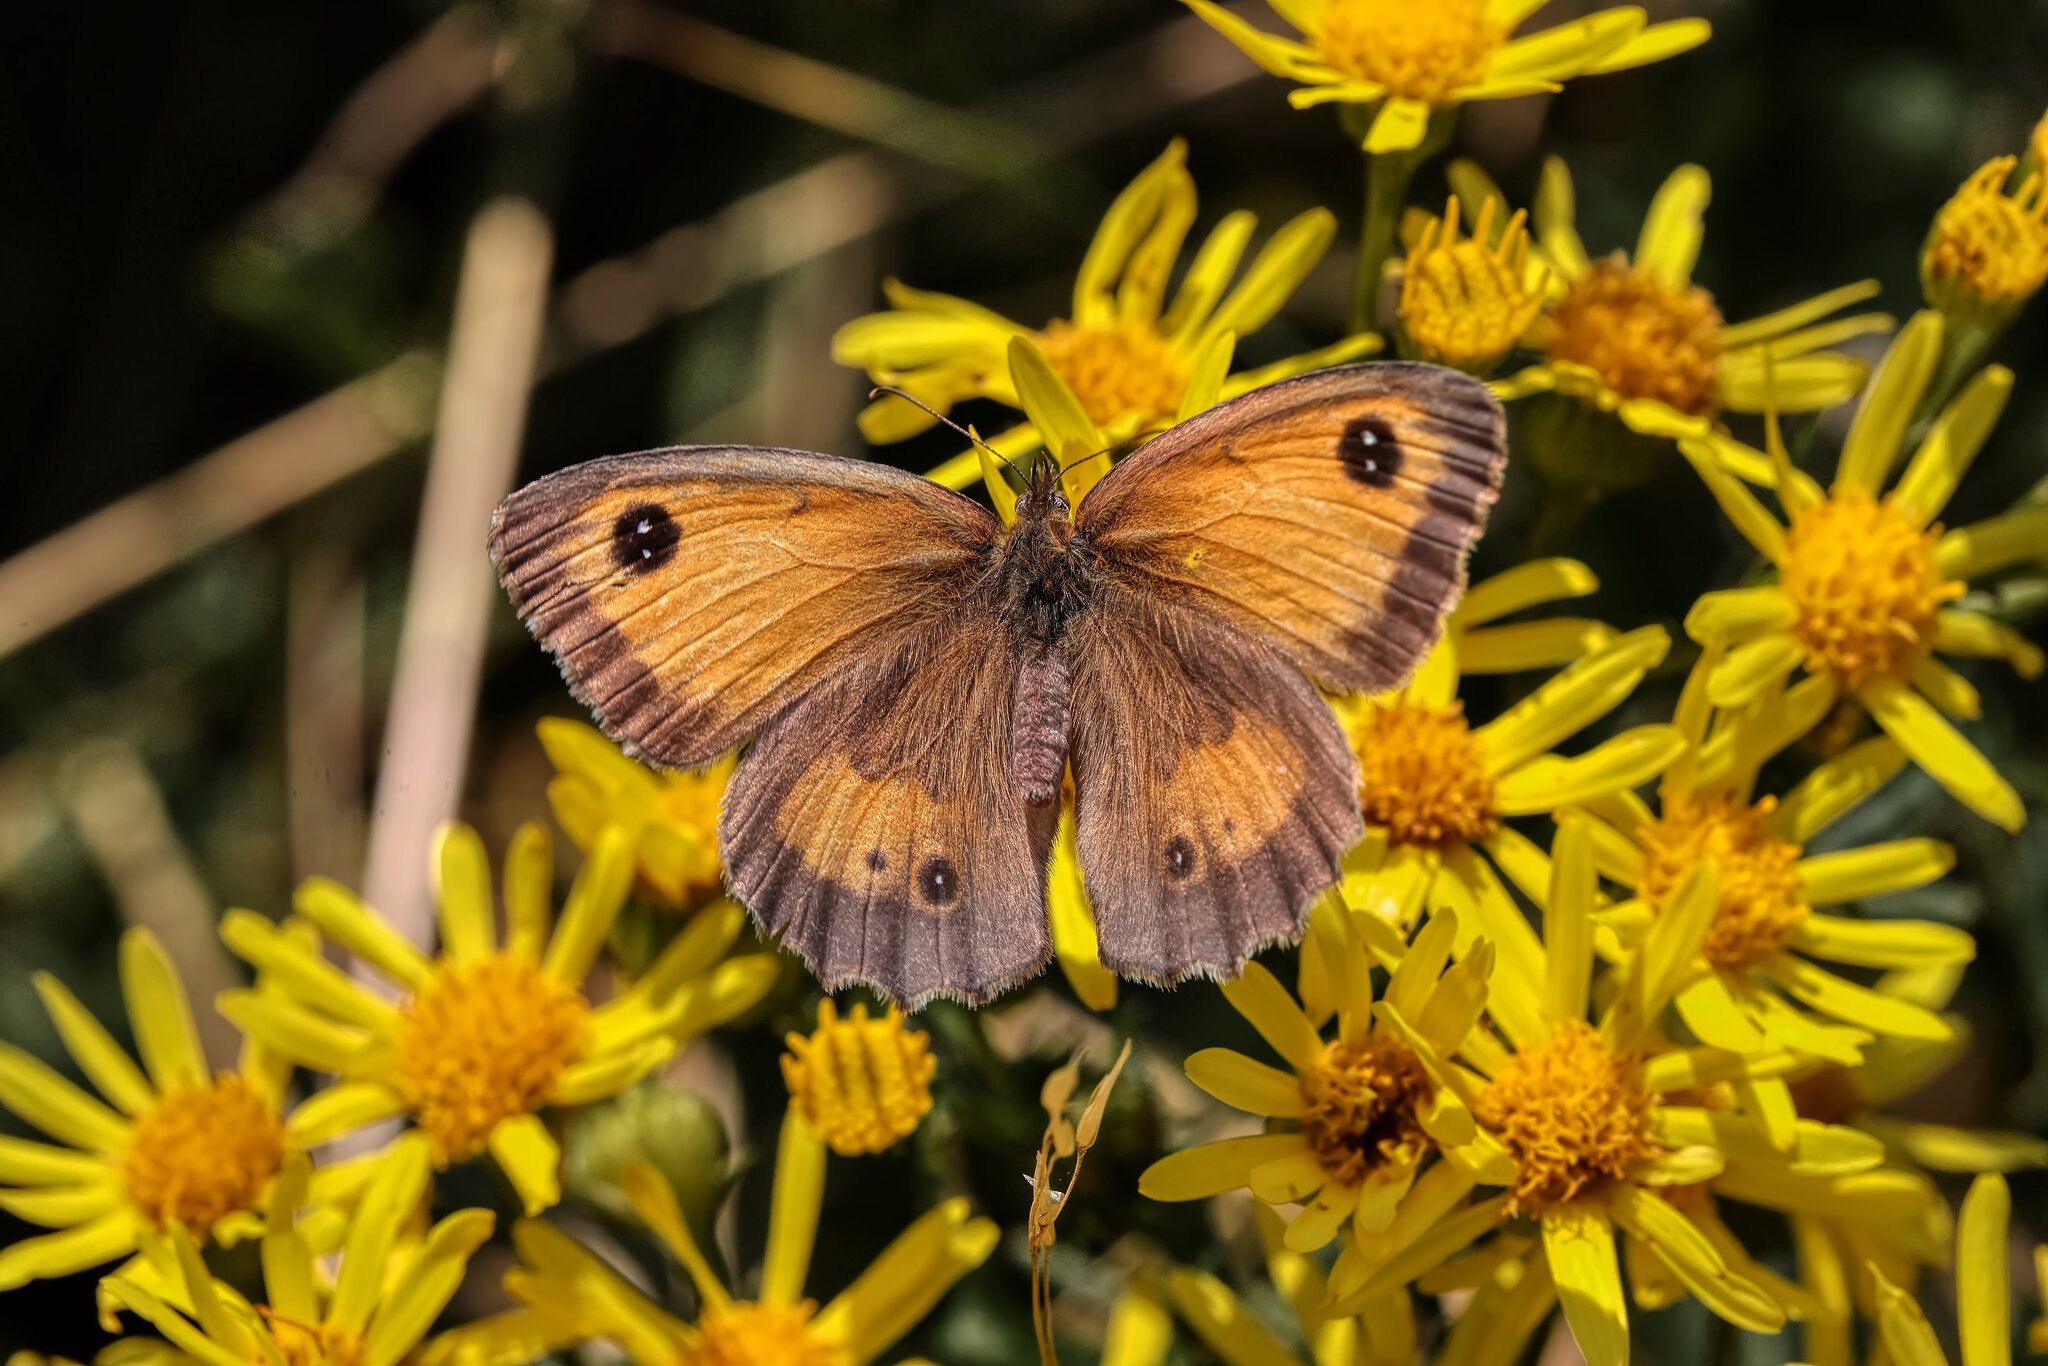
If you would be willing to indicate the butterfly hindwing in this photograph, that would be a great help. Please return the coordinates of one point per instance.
(1214, 792)
(690, 593)
(1329, 514)
(877, 829)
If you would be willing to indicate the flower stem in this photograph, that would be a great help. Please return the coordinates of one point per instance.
(1387, 177)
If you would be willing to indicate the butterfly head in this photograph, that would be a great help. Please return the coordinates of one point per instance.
(1043, 500)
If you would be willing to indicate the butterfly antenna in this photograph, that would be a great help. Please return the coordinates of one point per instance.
(967, 432)
(1110, 449)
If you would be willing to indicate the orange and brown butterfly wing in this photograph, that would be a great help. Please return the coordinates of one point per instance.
(1314, 529)
(691, 593)
(877, 827)
(1214, 792)
(1330, 514)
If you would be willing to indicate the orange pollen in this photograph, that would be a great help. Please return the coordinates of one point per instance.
(1762, 902)
(1863, 579)
(1361, 1106)
(1573, 1116)
(761, 1335)
(1642, 338)
(1418, 49)
(1466, 302)
(481, 1043)
(861, 1083)
(1423, 774)
(1987, 246)
(200, 1154)
(1116, 369)
(314, 1344)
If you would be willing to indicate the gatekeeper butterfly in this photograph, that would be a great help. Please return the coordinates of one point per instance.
(913, 679)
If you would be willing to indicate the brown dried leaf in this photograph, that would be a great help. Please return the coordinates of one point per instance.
(1091, 1118)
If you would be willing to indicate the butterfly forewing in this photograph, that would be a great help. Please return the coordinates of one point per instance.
(690, 593)
(1331, 514)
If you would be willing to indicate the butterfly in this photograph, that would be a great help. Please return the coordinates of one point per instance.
(913, 680)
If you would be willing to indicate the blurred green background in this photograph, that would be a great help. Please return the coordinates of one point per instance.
(218, 211)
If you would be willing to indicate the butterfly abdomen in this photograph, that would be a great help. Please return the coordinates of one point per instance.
(1038, 745)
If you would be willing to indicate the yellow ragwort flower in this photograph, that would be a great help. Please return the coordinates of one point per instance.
(1466, 302)
(173, 1142)
(1436, 789)
(1368, 1119)
(1588, 1128)
(1634, 336)
(568, 1295)
(673, 816)
(861, 1083)
(1867, 584)
(487, 1034)
(374, 1314)
(1408, 58)
(1987, 252)
(1126, 353)
(1770, 932)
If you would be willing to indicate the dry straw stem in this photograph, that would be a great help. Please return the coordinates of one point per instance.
(493, 351)
(1063, 1139)
(842, 200)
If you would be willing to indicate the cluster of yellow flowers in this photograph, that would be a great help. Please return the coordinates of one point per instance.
(1466, 1103)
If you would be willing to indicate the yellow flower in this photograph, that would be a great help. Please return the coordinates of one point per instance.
(1437, 790)
(1866, 586)
(568, 1295)
(862, 1084)
(1988, 250)
(1410, 57)
(1466, 303)
(173, 1142)
(485, 1035)
(1769, 924)
(1589, 1129)
(385, 1298)
(1384, 1333)
(1634, 336)
(1983, 1289)
(1368, 1118)
(673, 816)
(1128, 355)
(1140, 1331)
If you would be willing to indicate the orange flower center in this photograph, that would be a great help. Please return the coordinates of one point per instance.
(481, 1043)
(1573, 1116)
(1418, 49)
(1863, 578)
(1361, 1106)
(1641, 338)
(861, 1083)
(201, 1154)
(1423, 774)
(1761, 902)
(1465, 302)
(1116, 369)
(761, 1335)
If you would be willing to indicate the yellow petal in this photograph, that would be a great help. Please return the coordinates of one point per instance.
(1573, 700)
(1894, 395)
(1221, 1321)
(595, 899)
(530, 889)
(1969, 633)
(1732, 615)
(1206, 374)
(1694, 1260)
(1278, 56)
(1258, 996)
(305, 975)
(1072, 920)
(1874, 870)
(1907, 1336)
(1711, 1012)
(1945, 1149)
(902, 1285)
(1749, 516)
(1784, 320)
(164, 1032)
(1048, 401)
(1399, 126)
(345, 920)
(342, 1109)
(1530, 584)
(305, 1038)
(1566, 49)
(1208, 275)
(1140, 1331)
(1672, 230)
(1321, 1218)
(1753, 667)
(654, 1200)
(793, 1211)
(426, 1285)
(1791, 384)
(1654, 44)
(1447, 1235)
(463, 890)
(68, 1251)
(1951, 444)
(1578, 1242)
(105, 1063)
(531, 1160)
(1568, 919)
(1818, 1149)
(1212, 1168)
(37, 1094)
(1939, 748)
(1665, 959)
(1993, 543)
(1129, 217)
(1856, 1005)
(1983, 1299)
(1836, 788)
(1250, 1086)
(1555, 217)
(1528, 645)
(390, 1200)
(1947, 689)
(1273, 276)
(1626, 761)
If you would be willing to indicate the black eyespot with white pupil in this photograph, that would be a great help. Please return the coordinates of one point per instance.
(644, 538)
(1369, 452)
(938, 881)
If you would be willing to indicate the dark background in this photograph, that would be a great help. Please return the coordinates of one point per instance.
(171, 283)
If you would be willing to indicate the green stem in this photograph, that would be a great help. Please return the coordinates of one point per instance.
(1387, 177)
